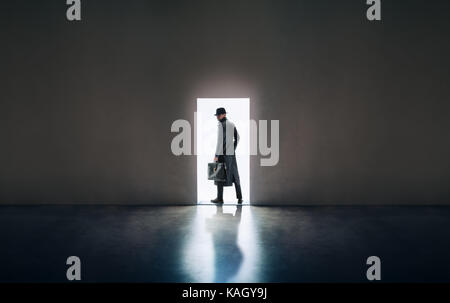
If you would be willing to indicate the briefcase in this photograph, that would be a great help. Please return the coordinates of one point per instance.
(217, 172)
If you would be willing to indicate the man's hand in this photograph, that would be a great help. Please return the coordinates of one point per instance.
(216, 159)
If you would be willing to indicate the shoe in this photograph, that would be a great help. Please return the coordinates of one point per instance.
(217, 200)
(240, 201)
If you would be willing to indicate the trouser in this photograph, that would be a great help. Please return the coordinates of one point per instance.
(220, 191)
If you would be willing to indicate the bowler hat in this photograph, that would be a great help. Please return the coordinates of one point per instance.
(220, 111)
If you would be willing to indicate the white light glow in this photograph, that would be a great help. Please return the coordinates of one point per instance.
(238, 112)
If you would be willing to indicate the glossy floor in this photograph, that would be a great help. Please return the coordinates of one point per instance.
(224, 244)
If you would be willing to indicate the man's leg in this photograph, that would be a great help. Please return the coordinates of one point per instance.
(220, 192)
(219, 198)
(238, 191)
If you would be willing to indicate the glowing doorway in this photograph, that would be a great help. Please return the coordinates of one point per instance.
(238, 112)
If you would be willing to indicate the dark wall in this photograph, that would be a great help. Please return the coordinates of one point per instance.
(86, 107)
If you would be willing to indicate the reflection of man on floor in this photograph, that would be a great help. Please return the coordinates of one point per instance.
(227, 140)
(224, 231)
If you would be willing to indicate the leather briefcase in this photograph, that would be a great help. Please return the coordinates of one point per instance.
(216, 172)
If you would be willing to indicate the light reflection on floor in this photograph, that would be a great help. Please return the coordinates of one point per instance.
(222, 245)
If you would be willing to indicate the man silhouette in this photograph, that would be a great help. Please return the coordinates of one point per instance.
(227, 141)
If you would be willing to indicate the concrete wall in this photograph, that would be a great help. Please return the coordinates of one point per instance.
(86, 107)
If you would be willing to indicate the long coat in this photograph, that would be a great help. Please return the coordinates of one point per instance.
(227, 140)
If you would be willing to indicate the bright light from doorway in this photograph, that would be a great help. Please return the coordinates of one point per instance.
(238, 112)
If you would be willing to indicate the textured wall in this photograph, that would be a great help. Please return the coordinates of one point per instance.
(86, 107)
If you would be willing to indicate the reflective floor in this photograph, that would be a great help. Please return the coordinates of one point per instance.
(222, 246)
(206, 243)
